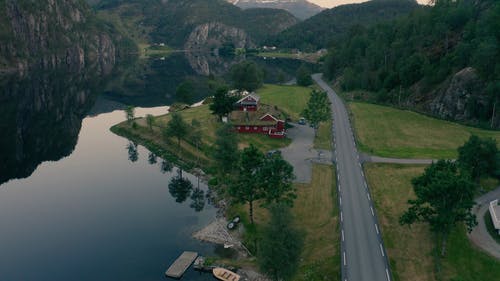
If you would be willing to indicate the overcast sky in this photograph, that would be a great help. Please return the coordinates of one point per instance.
(333, 3)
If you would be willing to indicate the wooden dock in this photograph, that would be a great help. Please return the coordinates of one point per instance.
(181, 264)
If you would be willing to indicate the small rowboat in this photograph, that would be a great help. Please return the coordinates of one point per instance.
(225, 275)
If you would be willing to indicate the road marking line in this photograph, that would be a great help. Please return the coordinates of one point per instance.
(387, 272)
(382, 250)
(376, 228)
(369, 198)
(342, 235)
(345, 261)
(373, 213)
(340, 200)
(341, 217)
(359, 164)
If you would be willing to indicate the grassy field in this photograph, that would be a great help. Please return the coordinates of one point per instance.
(147, 51)
(292, 100)
(277, 55)
(389, 132)
(324, 138)
(411, 249)
(209, 124)
(316, 213)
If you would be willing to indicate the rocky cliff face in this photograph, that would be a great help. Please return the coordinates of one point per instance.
(51, 34)
(462, 98)
(213, 35)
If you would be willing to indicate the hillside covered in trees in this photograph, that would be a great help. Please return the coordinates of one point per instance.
(321, 30)
(55, 33)
(441, 60)
(173, 21)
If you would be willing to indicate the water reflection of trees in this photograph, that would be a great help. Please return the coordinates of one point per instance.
(181, 189)
(133, 154)
(152, 158)
(197, 199)
(166, 166)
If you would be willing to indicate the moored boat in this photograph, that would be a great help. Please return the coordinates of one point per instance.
(225, 275)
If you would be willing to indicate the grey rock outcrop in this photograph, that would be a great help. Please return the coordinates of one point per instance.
(213, 35)
(462, 98)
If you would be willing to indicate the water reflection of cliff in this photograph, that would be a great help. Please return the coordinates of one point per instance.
(40, 118)
(153, 82)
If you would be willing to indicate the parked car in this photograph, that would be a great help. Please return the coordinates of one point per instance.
(302, 121)
(273, 152)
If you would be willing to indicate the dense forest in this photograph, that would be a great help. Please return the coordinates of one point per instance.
(442, 60)
(172, 21)
(323, 29)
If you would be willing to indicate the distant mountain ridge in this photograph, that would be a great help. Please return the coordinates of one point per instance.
(173, 21)
(302, 9)
(324, 28)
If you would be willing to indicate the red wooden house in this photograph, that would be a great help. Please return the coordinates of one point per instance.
(264, 120)
(250, 102)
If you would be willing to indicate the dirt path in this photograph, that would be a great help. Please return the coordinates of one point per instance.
(376, 159)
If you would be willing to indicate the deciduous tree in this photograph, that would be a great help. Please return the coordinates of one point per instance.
(247, 76)
(223, 103)
(176, 127)
(318, 109)
(150, 120)
(226, 149)
(246, 187)
(281, 245)
(304, 76)
(445, 197)
(130, 114)
(478, 156)
(276, 177)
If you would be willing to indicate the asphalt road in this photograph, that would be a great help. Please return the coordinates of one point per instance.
(363, 255)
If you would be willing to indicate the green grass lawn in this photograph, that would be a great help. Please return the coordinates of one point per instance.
(410, 250)
(209, 125)
(324, 138)
(277, 55)
(147, 50)
(389, 132)
(292, 100)
(316, 213)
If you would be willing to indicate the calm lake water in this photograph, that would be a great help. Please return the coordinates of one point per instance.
(80, 203)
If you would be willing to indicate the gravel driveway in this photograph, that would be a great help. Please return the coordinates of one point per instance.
(301, 154)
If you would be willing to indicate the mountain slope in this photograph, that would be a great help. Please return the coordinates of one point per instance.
(302, 9)
(324, 28)
(173, 21)
(441, 60)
